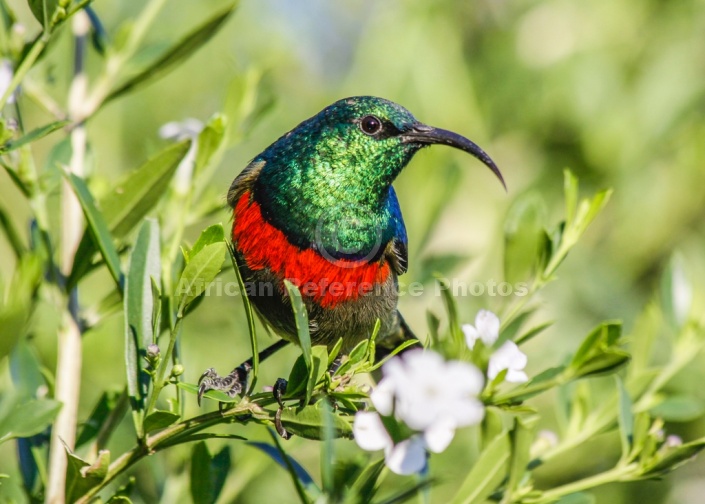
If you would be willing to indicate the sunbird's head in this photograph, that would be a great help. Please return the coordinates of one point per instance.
(360, 139)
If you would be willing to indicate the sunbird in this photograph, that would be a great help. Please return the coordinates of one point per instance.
(317, 208)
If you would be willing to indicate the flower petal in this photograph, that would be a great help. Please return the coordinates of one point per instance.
(407, 457)
(471, 335)
(439, 435)
(369, 431)
(382, 396)
(487, 325)
(508, 357)
(514, 376)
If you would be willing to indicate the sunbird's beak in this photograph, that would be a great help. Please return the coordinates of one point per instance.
(423, 134)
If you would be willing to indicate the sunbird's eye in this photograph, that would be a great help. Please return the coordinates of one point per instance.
(370, 125)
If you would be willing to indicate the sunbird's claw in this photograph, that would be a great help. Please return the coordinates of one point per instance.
(232, 384)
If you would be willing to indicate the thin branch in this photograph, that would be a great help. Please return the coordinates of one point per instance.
(68, 372)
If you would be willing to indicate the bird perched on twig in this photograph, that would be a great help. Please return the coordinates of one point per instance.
(317, 208)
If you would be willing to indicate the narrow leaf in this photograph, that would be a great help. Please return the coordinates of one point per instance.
(145, 267)
(160, 419)
(32, 136)
(308, 422)
(199, 273)
(29, 418)
(210, 235)
(521, 438)
(250, 321)
(97, 227)
(487, 473)
(523, 237)
(178, 52)
(100, 418)
(208, 473)
(82, 476)
(301, 318)
(626, 418)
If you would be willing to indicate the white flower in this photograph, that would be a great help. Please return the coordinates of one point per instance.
(431, 396)
(508, 357)
(423, 389)
(486, 328)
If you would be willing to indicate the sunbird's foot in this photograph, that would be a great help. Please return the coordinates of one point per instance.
(278, 392)
(232, 384)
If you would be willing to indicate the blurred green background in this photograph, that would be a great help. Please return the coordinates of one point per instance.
(613, 90)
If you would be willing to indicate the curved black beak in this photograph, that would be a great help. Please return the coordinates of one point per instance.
(428, 135)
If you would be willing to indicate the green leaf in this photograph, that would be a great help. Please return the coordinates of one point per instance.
(675, 457)
(14, 238)
(97, 227)
(319, 368)
(43, 10)
(199, 273)
(28, 418)
(26, 371)
(82, 476)
(106, 414)
(600, 353)
(308, 422)
(626, 418)
(210, 235)
(160, 419)
(208, 473)
(364, 485)
(487, 473)
(492, 425)
(521, 438)
(298, 379)
(32, 136)
(523, 237)
(396, 351)
(139, 303)
(16, 304)
(176, 53)
(210, 142)
(533, 332)
(127, 204)
(434, 323)
(679, 408)
(249, 98)
(453, 323)
(301, 318)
